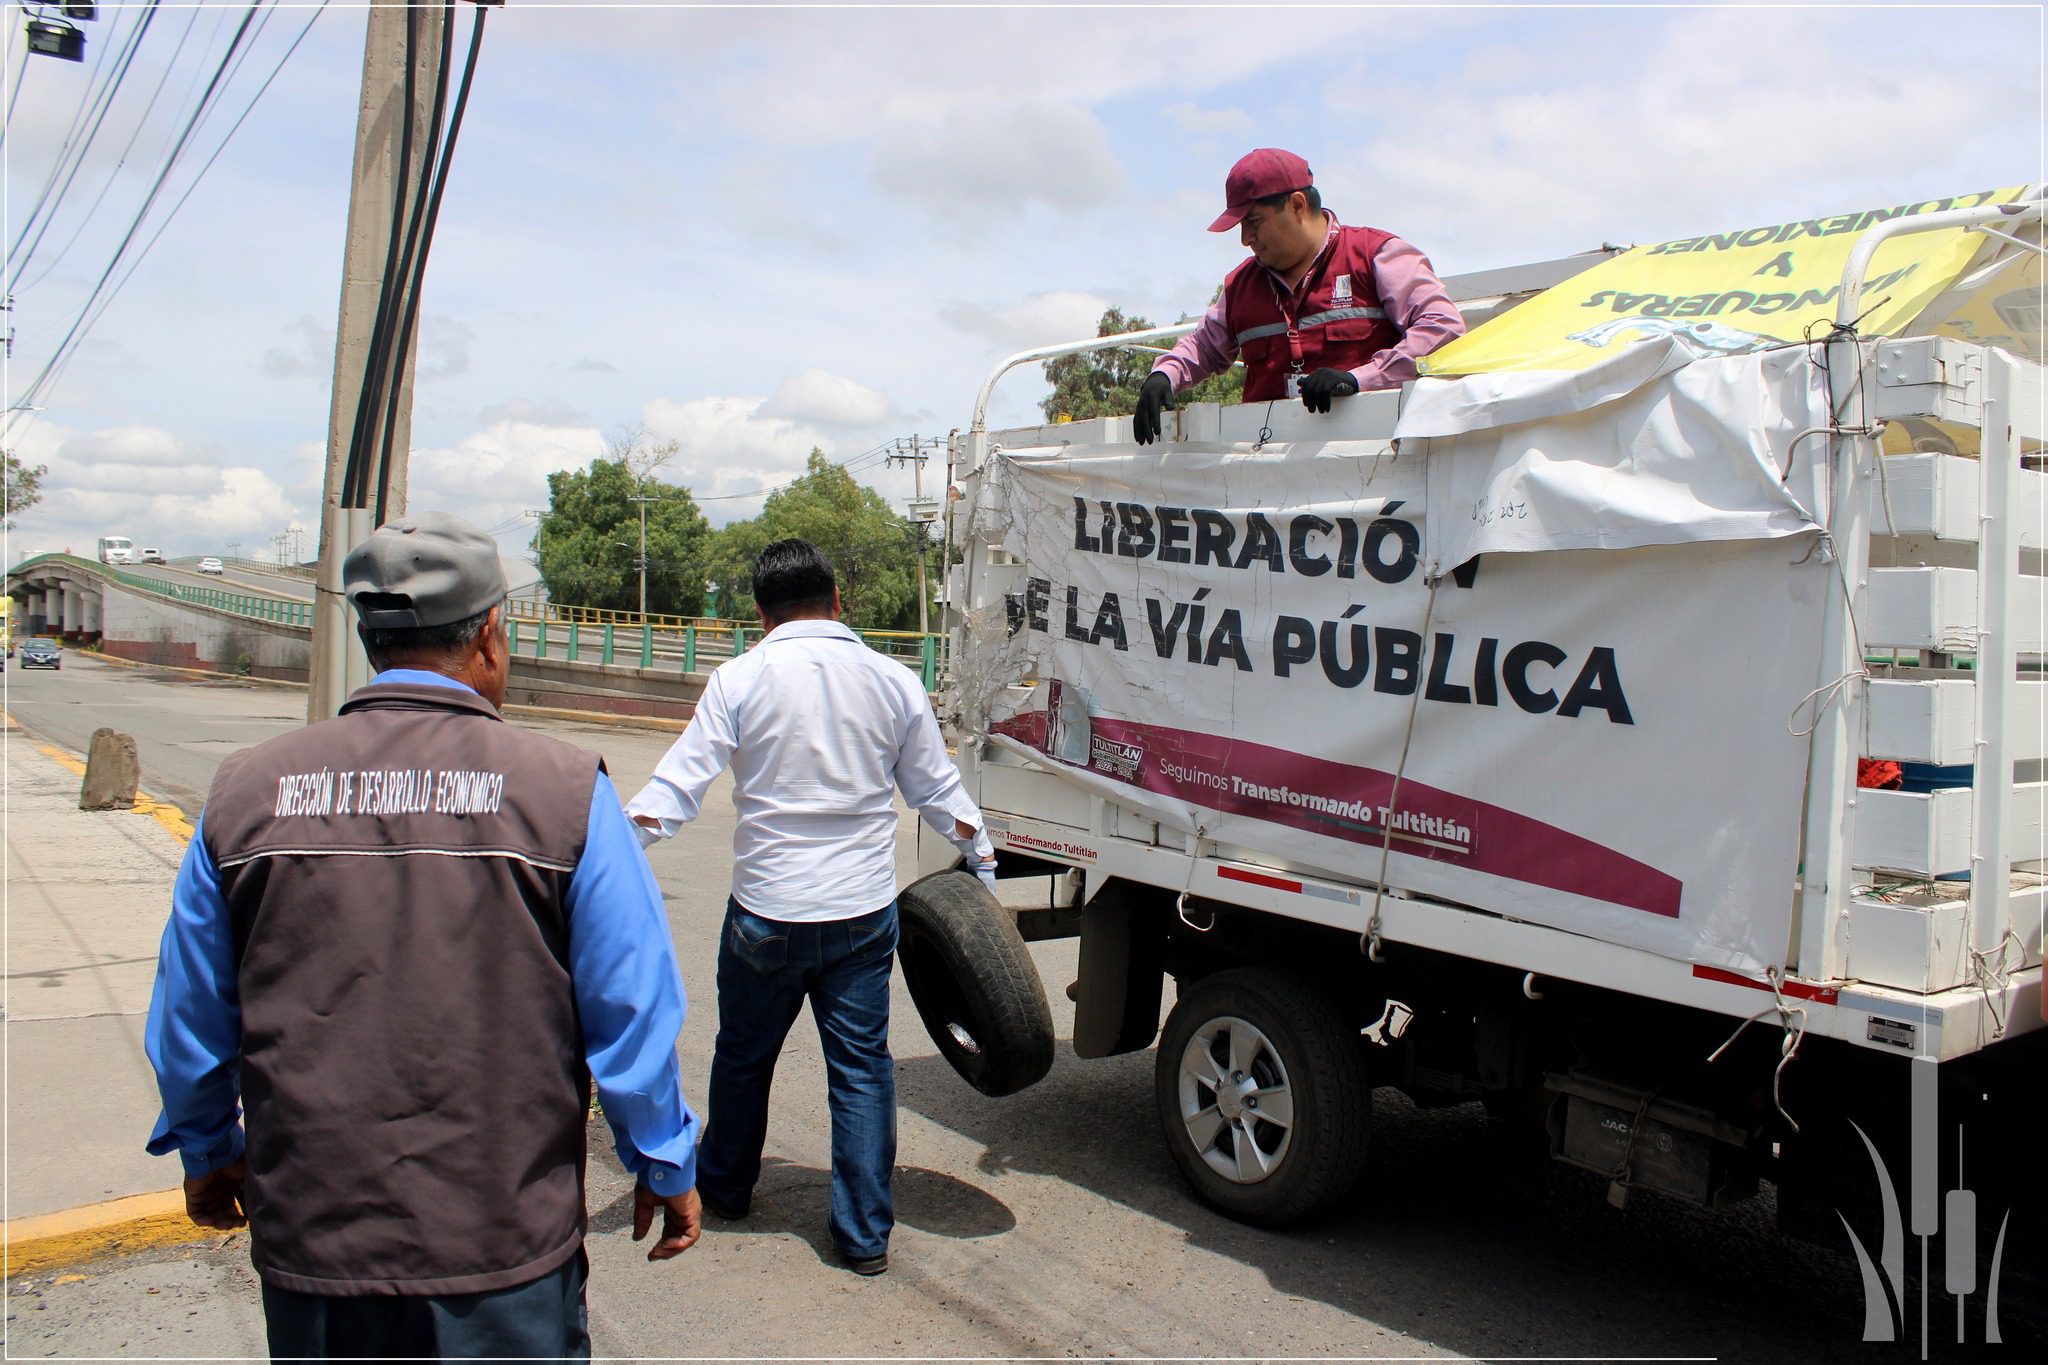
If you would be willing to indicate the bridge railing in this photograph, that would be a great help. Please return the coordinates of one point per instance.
(541, 630)
(283, 611)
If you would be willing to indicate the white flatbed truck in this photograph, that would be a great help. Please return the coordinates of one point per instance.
(1677, 1035)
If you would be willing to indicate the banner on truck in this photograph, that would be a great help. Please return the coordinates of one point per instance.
(1245, 642)
(1725, 292)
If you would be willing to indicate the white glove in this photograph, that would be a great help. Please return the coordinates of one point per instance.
(986, 870)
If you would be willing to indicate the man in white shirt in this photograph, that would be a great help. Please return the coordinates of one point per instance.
(820, 732)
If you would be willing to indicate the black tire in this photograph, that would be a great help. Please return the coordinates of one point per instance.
(974, 983)
(1292, 1039)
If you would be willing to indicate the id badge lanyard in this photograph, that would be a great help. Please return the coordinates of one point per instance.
(1295, 364)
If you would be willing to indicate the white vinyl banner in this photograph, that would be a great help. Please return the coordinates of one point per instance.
(1246, 641)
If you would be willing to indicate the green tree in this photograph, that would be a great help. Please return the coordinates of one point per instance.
(589, 542)
(1106, 383)
(873, 549)
(24, 486)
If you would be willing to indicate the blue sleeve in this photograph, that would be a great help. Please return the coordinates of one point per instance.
(630, 999)
(194, 1033)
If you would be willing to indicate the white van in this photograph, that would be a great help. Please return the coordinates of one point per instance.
(117, 550)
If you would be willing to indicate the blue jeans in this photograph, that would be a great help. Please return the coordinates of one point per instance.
(544, 1319)
(766, 970)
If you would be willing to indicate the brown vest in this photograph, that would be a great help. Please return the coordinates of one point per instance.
(412, 1064)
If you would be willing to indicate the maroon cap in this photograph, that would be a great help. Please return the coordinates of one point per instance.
(1260, 174)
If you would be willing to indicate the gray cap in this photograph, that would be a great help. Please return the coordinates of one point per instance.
(430, 569)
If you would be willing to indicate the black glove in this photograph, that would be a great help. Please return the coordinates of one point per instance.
(1319, 388)
(1157, 394)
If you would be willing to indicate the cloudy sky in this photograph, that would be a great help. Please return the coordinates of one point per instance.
(756, 230)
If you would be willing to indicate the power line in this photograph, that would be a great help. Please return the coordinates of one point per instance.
(14, 91)
(114, 175)
(143, 254)
(94, 108)
(75, 333)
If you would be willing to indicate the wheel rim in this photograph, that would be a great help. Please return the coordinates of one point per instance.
(1236, 1101)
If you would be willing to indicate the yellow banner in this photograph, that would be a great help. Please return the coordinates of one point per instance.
(1725, 292)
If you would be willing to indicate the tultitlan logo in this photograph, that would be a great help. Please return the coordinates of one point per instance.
(1931, 1211)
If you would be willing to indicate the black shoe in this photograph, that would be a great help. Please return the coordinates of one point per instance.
(731, 1213)
(865, 1265)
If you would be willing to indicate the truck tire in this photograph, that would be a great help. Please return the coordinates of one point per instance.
(1263, 1095)
(974, 983)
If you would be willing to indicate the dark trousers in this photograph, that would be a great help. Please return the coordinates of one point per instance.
(544, 1319)
(767, 969)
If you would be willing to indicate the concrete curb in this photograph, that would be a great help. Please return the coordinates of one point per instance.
(674, 727)
(190, 672)
(138, 1222)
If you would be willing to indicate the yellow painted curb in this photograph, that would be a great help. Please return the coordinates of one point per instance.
(117, 1227)
(196, 672)
(171, 817)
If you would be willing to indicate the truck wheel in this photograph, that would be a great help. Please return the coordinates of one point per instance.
(1263, 1095)
(974, 983)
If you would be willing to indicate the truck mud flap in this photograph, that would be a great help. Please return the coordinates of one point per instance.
(974, 983)
(1123, 971)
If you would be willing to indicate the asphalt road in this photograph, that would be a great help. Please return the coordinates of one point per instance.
(1049, 1223)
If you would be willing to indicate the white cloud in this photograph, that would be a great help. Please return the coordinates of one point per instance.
(1722, 119)
(1193, 118)
(308, 351)
(114, 446)
(831, 400)
(444, 346)
(993, 160)
(731, 450)
(1040, 320)
(493, 475)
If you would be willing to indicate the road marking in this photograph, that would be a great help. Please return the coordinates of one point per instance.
(92, 1231)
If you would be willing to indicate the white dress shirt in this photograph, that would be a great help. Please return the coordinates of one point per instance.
(820, 731)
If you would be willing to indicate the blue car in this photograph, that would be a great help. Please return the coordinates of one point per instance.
(40, 653)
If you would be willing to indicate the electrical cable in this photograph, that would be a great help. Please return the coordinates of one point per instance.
(98, 116)
(135, 225)
(143, 254)
(85, 97)
(114, 175)
(417, 282)
(14, 93)
(354, 472)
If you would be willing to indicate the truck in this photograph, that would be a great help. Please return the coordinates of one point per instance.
(1645, 744)
(116, 550)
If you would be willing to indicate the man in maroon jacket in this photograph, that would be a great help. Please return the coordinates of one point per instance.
(1320, 309)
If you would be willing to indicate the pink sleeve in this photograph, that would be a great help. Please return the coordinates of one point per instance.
(1415, 301)
(1205, 351)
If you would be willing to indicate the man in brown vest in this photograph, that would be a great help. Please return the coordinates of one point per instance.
(407, 939)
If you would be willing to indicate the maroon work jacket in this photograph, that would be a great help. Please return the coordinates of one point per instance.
(1333, 318)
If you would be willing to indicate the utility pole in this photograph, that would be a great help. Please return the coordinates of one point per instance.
(540, 524)
(922, 514)
(339, 665)
(234, 552)
(643, 500)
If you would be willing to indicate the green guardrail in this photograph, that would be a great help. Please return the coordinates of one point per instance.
(282, 611)
(914, 649)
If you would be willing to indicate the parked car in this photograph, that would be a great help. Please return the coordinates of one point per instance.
(41, 652)
(209, 565)
(153, 557)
